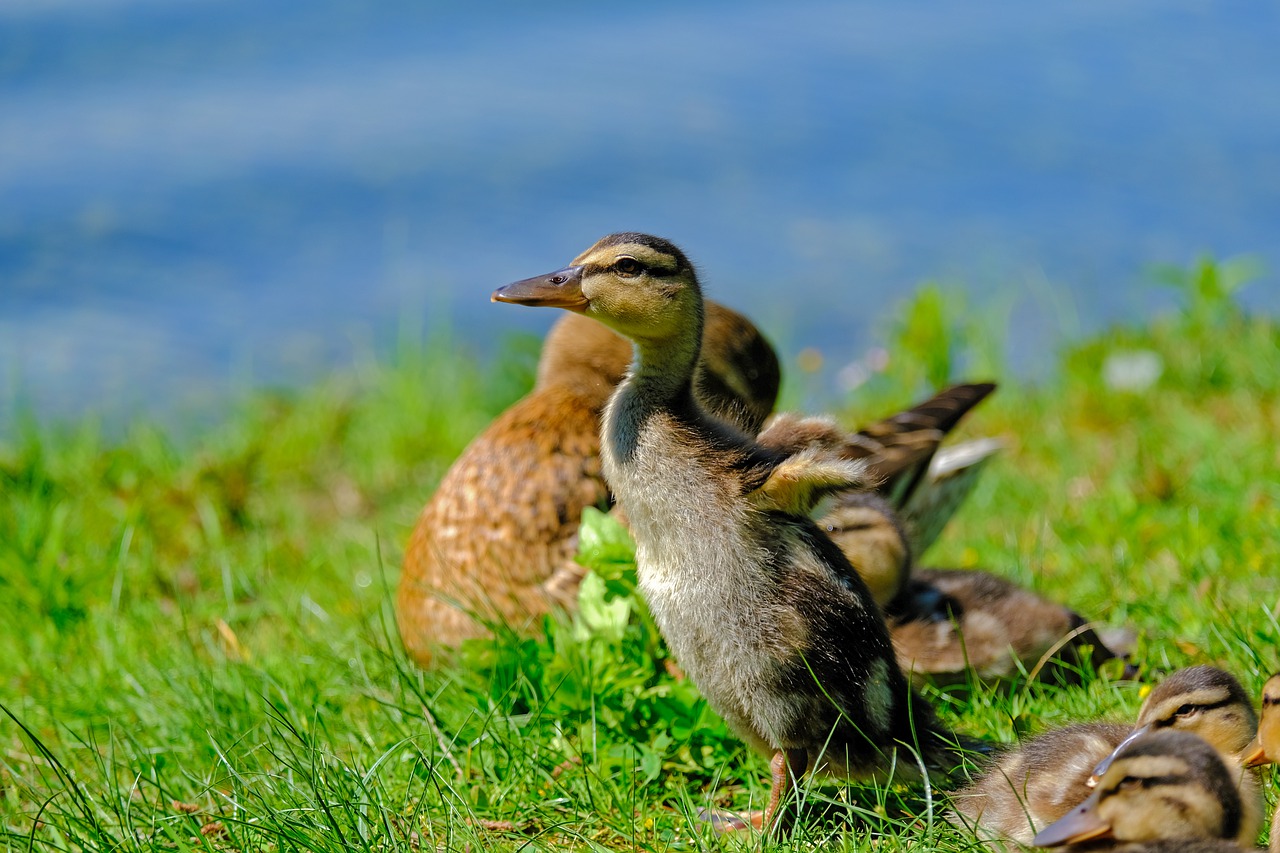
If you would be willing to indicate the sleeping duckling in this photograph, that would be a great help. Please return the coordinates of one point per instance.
(1265, 748)
(1037, 783)
(1165, 791)
(759, 607)
(496, 541)
(949, 623)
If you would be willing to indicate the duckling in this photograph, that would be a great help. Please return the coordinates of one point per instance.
(1211, 703)
(1165, 791)
(1265, 748)
(1037, 783)
(758, 605)
(948, 623)
(495, 544)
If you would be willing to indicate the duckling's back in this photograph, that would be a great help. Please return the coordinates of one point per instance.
(1029, 788)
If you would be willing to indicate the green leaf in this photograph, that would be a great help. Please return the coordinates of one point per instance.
(600, 614)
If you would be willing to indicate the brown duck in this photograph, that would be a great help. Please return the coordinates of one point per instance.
(1265, 748)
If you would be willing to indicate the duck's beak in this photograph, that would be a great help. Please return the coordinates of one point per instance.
(1106, 762)
(1077, 826)
(1254, 755)
(560, 289)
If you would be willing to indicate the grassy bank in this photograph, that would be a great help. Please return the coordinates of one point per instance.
(198, 650)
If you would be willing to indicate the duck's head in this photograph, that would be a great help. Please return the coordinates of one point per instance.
(1265, 748)
(1165, 785)
(1202, 700)
(641, 286)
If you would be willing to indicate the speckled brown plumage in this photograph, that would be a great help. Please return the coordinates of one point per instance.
(495, 544)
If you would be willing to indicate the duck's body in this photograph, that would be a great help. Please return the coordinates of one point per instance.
(497, 539)
(1165, 790)
(1034, 785)
(760, 608)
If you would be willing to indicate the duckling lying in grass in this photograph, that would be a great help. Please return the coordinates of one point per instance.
(497, 539)
(758, 605)
(947, 624)
(1165, 791)
(1037, 783)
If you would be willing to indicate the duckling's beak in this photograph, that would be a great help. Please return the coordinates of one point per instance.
(1254, 755)
(1102, 765)
(560, 289)
(1077, 826)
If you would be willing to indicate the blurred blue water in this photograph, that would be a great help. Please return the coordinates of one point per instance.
(198, 196)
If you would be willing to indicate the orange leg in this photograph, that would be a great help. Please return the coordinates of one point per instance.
(786, 767)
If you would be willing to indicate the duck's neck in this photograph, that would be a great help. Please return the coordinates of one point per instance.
(661, 379)
(663, 370)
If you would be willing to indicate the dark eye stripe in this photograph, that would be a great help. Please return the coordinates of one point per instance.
(1205, 706)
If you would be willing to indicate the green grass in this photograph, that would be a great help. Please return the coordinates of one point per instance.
(198, 651)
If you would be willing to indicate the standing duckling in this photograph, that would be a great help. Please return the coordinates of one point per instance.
(1165, 791)
(1037, 783)
(497, 539)
(760, 608)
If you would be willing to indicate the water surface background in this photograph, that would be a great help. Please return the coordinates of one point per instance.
(203, 196)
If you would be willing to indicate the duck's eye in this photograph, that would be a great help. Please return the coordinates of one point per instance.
(628, 266)
(1129, 783)
(1185, 711)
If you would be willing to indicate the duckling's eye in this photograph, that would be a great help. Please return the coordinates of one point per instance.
(1186, 711)
(628, 267)
(1129, 783)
